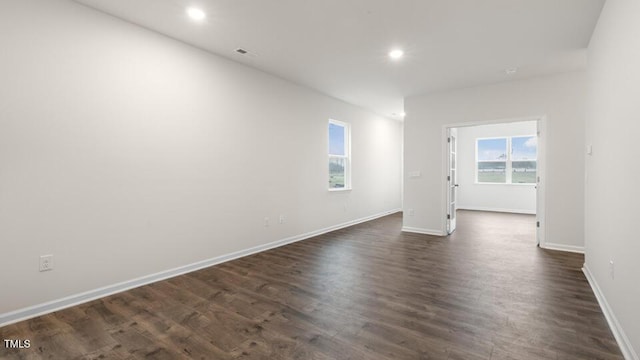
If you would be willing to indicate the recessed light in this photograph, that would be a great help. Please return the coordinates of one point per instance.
(396, 54)
(511, 71)
(196, 14)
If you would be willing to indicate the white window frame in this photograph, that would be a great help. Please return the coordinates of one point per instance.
(346, 156)
(508, 161)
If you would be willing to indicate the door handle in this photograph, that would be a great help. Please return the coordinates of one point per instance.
(456, 185)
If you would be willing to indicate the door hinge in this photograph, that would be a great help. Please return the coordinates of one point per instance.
(449, 178)
(448, 217)
(537, 223)
(448, 139)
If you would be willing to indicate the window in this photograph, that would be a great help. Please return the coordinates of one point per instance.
(339, 156)
(507, 160)
(524, 159)
(492, 160)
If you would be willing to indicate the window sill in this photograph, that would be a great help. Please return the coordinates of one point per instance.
(340, 189)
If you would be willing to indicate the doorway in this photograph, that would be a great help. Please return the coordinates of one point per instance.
(495, 166)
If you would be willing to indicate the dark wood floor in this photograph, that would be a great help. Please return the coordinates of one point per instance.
(366, 292)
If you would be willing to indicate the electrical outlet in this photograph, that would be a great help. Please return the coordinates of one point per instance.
(612, 269)
(410, 212)
(266, 222)
(282, 219)
(46, 262)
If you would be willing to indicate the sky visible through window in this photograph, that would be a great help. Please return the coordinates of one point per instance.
(336, 139)
(492, 149)
(524, 148)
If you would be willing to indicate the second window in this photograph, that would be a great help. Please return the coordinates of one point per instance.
(339, 156)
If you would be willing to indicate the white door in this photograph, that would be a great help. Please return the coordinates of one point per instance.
(452, 185)
(540, 185)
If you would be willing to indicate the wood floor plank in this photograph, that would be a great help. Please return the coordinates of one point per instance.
(364, 292)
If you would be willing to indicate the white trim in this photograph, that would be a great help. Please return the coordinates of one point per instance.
(481, 208)
(495, 121)
(623, 341)
(423, 231)
(340, 189)
(562, 247)
(541, 181)
(73, 300)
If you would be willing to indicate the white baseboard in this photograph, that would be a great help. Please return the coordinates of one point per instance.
(514, 211)
(562, 247)
(423, 231)
(73, 300)
(623, 341)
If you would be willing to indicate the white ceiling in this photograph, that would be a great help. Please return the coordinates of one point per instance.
(340, 47)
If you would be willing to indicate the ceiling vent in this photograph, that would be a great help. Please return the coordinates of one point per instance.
(241, 51)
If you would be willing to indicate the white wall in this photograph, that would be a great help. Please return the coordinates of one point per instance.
(561, 98)
(125, 153)
(516, 198)
(612, 191)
